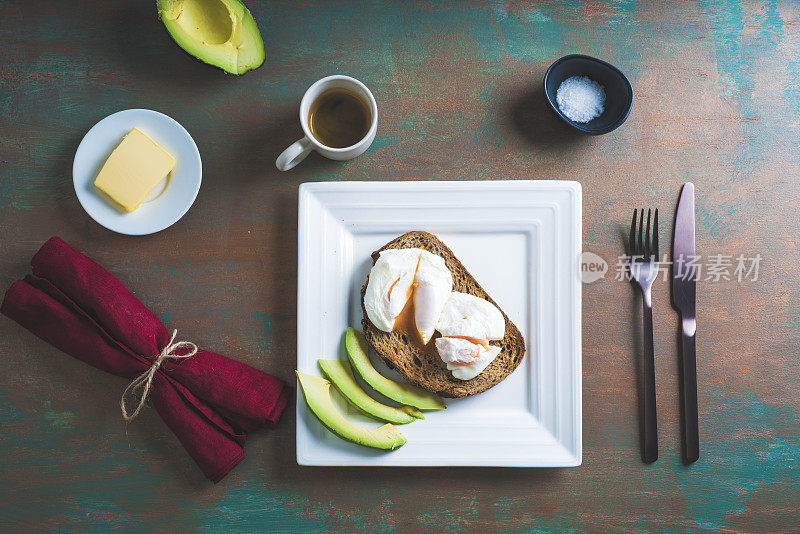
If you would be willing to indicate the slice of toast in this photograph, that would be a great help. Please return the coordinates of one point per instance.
(425, 368)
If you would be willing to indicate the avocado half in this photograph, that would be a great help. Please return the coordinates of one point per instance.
(222, 33)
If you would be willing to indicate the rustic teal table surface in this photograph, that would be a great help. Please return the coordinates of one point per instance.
(458, 86)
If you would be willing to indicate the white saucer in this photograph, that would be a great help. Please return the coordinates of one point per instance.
(169, 200)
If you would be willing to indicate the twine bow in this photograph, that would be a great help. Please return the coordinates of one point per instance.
(145, 380)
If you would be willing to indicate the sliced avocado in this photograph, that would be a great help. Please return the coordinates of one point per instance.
(340, 374)
(410, 410)
(317, 393)
(358, 352)
(222, 33)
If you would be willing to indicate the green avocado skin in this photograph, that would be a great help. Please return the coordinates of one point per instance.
(316, 391)
(252, 52)
(358, 352)
(340, 374)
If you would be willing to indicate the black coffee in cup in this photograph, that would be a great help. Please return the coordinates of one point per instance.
(339, 118)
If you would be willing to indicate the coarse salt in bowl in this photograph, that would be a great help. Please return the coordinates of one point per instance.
(596, 97)
(581, 99)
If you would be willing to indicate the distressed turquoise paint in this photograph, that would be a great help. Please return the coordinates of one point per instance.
(8, 412)
(500, 32)
(58, 419)
(265, 323)
(791, 92)
(738, 61)
(457, 514)
(446, 77)
(82, 491)
(624, 25)
(747, 445)
(486, 134)
(506, 511)
(6, 191)
(383, 142)
(22, 193)
(715, 220)
(488, 94)
(254, 505)
(166, 317)
(531, 32)
(727, 20)
(771, 28)
(228, 265)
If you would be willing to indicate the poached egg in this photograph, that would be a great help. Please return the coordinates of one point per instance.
(467, 324)
(411, 290)
(405, 278)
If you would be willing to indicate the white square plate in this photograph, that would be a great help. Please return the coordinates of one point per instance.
(522, 242)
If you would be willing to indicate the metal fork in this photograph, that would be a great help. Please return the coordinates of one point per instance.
(644, 269)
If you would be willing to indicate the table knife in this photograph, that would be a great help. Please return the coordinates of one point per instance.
(684, 279)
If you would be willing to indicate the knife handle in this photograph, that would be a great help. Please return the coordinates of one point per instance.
(691, 434)
(650, 422)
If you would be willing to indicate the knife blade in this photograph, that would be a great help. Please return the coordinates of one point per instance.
(684, 281)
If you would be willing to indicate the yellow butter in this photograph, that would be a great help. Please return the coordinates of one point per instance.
(133, 169)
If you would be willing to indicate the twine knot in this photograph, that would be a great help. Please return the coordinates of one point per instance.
(145, 380)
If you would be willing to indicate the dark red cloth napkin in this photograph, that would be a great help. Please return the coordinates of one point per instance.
(209, 401)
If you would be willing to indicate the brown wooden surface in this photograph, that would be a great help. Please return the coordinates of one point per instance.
(458, 88)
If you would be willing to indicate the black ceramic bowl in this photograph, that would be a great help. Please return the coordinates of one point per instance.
(619, 93)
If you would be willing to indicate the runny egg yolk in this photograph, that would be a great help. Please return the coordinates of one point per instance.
(406, 292)
(410, 289)
(406, 321)
(406, 324)
(389, 294)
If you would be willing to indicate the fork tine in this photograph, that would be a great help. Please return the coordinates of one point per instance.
(655, 234)
(632, 239)
(640, 250)
(647, 244)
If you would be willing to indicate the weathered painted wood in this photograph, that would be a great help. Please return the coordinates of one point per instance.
(458, 87)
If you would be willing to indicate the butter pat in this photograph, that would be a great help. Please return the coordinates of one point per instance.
(133, 169)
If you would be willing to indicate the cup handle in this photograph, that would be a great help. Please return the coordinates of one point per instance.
(293, 155)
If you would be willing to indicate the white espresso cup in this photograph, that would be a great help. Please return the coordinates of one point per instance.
(298, 151)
